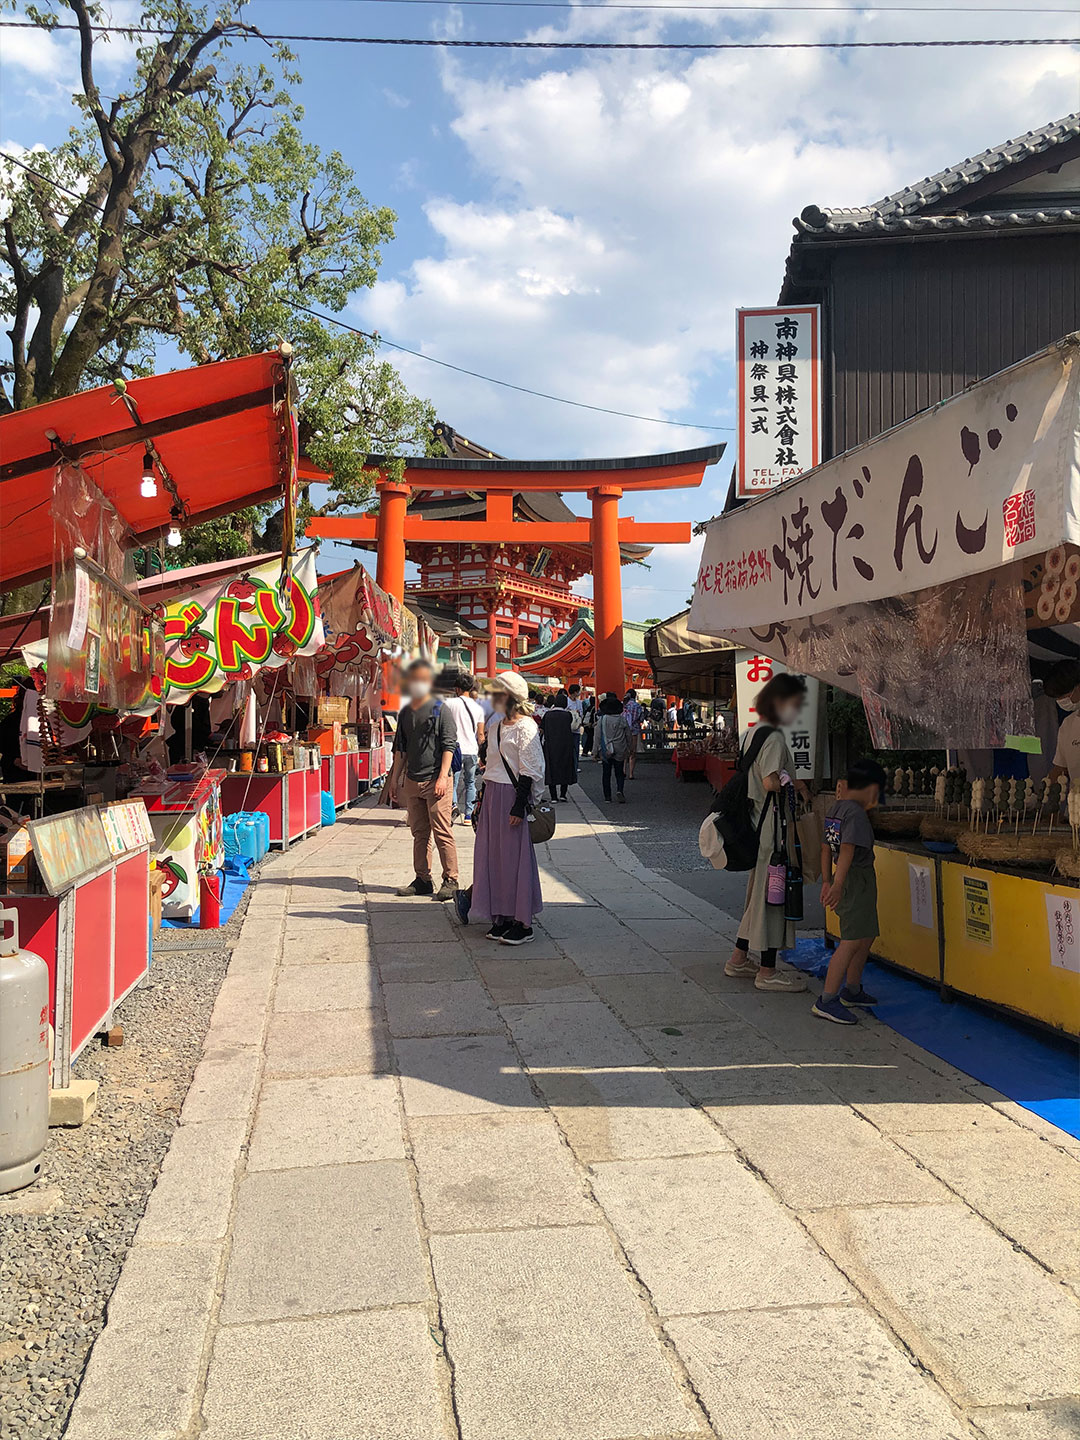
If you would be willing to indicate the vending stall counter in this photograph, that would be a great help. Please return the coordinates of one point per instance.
(89, 920)
(185, 817)
(291, 799)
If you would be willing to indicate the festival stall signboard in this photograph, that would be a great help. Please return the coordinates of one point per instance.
(778, 358)
(229, 631)
(754, 671)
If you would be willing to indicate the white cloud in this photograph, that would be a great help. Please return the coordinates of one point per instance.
(634, 201)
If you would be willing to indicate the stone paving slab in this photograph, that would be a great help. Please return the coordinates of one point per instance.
(326, 1042)
(1052, 1422)
(570, 1033)
(422, 964)
(664, 999)
(706, 1235)
(239, 1010)
(580, 922)
(223, 1086)
(191, 1201)
(416, 925)
(626, 1115)
(528, 980)
(330, 1120)
(326, 946)
(144, 1368)
(549, 1342)
(303, 988)
(457, 1007)
(376, 1380)
(988, 1322)
(725, 1060)
(780, 1375)
(620, 954)
(461, 1075)
(493, 1172)
(847, 1163)
(320, 1241)
(983, 1164)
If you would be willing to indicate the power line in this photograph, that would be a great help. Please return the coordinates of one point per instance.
(669, 45)
(419, 354)
(506, 384)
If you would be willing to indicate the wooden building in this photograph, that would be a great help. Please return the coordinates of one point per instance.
(943, 283)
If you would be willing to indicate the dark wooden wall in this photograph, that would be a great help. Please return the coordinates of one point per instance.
(907, 325)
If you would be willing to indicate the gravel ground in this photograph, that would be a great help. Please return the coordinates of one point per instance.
(64, 1239)
(660, 823)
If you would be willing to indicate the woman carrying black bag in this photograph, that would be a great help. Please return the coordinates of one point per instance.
(765, 927)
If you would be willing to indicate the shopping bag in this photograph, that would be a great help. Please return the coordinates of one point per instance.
(810, 824)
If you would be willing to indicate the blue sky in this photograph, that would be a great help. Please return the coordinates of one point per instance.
(586, 224)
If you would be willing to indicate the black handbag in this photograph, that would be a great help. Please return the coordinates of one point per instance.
(793, 884)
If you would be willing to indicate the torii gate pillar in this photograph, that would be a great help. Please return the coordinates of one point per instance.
(390, 566)
(607, 591)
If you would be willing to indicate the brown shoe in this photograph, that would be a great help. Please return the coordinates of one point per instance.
(446, 891)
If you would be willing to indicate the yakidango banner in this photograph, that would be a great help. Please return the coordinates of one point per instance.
(230, 630)
(990, 476)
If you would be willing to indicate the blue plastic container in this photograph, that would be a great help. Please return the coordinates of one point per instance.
(262, 829)
(247, 838)
(326, 803)
(228, 831)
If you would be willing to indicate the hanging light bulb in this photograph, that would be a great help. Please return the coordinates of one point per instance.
(148, 488)
(172, 536)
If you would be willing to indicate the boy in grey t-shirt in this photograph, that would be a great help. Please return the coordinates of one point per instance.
(849, 886)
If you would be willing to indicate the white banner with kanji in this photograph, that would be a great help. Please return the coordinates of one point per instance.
(990, 476)
(778, 365)
(754, 671)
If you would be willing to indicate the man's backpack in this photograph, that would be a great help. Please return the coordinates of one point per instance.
(455, 761)
(732, 814)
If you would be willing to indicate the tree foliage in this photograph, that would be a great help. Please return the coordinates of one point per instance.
(185, 217)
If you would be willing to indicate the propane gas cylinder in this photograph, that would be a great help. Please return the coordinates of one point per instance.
(24, 1058)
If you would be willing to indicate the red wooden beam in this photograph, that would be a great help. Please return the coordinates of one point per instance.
(518, 532)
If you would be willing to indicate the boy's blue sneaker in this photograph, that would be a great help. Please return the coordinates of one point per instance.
(832, 1010)
(856, 999)
(462, 904)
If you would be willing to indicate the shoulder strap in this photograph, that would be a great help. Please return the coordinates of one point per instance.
(502, 757)
(761, 734)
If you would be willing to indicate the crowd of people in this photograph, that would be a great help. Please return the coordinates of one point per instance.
(523, 748)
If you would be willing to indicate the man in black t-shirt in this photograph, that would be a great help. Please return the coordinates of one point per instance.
(424, 748)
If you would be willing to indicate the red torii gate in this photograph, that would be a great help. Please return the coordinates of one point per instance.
(604, 481)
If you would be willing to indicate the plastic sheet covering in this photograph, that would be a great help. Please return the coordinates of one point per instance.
(103, 645)
(942, 666)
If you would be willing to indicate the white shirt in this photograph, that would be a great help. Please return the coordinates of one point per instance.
(519, 744)
(1067, 753)
(467, 716)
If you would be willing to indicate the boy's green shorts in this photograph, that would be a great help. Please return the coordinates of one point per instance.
(857, 911)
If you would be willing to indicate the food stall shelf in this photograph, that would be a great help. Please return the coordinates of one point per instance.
(291, 800)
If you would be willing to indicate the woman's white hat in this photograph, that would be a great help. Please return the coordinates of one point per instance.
(513, 683)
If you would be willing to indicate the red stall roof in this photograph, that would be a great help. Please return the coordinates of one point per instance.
(221, 431)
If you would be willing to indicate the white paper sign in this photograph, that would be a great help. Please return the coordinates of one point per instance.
(990, 476)
(1063, 922)
(778, 358)
(80, 609)
(751, 673)
(922, 897)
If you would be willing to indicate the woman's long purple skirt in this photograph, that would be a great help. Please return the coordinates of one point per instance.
(506, 880)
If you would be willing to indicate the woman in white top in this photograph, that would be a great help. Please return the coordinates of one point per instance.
(506, 879)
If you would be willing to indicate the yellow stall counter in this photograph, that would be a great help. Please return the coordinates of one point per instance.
(1013, 940)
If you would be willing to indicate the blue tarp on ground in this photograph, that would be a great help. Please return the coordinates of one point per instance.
(234, 881)
(1038, 1071)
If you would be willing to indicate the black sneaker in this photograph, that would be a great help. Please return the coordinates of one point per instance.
(498, 929)
(446, 891)
(517, 934)
(417, 887)
(463, 904)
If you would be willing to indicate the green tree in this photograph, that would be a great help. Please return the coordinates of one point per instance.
(204, 217)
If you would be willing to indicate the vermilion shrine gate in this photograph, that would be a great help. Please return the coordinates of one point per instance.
(498, 481)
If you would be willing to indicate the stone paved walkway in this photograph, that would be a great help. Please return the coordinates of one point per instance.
(428, 1188)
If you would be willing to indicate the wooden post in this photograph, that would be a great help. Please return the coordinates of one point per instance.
(493, 663)
(390, 569)
(607, 591)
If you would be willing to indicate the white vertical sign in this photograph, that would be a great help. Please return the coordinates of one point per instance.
(751, 673)
(1063, 922)
(778, 360)
(922, 896)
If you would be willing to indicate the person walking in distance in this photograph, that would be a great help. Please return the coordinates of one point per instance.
(506, 879)
(576, 706)
(613, 737)
(764, 927)
(469, 723)
(556, 729)
(635, 719)
(424, 746)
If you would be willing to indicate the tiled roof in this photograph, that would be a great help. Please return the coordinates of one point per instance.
(905, 211)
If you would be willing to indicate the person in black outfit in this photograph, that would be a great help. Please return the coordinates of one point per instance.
(557, 731)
